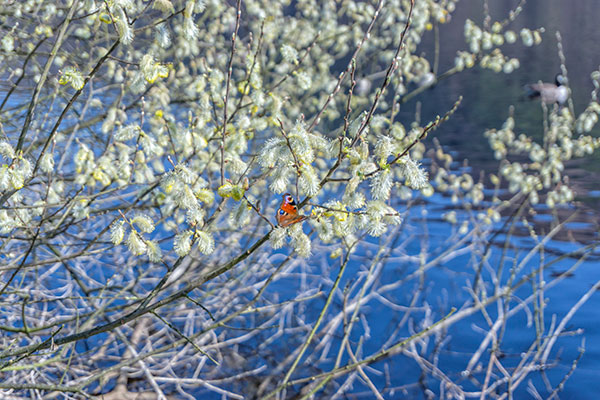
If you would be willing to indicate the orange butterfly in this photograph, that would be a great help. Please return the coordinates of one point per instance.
(288, 212)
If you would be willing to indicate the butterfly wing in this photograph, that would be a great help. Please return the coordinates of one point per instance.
(288, 204)
(288, 212)
(287, 219)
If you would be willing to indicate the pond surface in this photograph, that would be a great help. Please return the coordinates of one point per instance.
(487, 97)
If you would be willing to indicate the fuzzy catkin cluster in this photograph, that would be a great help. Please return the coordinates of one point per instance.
(169, 128)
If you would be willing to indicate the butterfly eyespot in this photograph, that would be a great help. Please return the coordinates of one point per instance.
(281, 212)
(289, 199)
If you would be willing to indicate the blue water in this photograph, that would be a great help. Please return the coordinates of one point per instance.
(487, 97)
(448, 285)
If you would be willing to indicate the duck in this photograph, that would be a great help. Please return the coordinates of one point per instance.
(549, 93)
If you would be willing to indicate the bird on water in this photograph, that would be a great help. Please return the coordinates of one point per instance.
(549, 93)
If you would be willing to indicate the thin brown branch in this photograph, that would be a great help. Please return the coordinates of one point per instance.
(227, 85)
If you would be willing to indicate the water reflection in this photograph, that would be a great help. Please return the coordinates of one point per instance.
(487, 98)
(488, 95)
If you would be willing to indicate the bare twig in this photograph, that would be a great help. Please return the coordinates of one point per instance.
(228, 83)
